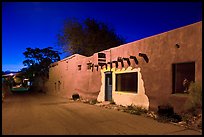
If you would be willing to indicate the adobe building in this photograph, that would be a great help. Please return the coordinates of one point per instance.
(147, 72)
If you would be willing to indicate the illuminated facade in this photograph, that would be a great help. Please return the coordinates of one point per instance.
(147, 72)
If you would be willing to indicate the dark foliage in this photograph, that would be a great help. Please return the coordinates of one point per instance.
(88, 37)
(38, 61)
(75, 96)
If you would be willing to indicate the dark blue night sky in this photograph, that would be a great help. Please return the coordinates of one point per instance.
(36, 24)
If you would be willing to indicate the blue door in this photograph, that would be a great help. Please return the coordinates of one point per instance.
(108, 86)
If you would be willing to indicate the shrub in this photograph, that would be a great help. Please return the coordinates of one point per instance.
(194, 100)
(93, 101)
(165, 110)
(186, 118)
(166, 114)
(137, 110)
(176, 118)
(75, 96)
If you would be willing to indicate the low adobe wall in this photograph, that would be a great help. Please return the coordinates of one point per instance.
(66, 78)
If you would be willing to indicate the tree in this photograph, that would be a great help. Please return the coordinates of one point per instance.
(87, 37)
(38, 60)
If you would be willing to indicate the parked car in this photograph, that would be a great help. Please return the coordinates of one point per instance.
(17, 82)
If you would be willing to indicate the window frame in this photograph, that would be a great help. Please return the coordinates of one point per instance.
(175, 72)
(127, 90)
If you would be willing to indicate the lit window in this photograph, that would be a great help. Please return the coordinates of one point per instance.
(183, 74)
(127, 82)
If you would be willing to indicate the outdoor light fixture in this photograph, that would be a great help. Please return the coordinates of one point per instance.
(79, 67)
(177, 45)
(135, 59)
(144, 56)
(128, 61)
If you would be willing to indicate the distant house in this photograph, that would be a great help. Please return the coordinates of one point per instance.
(147, 72)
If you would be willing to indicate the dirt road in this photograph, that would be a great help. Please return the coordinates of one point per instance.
(41, 114)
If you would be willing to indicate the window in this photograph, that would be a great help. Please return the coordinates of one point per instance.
(79, 67)
(127, 82)
(183, 74)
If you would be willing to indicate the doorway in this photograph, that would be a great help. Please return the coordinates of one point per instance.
(108, 86)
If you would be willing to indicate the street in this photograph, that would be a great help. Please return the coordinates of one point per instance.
(42, 114)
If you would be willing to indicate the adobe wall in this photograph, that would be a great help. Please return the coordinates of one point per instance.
(70, 80)
(156, 75)
(162, 53)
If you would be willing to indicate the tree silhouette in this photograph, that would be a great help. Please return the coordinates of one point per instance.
(38, 61)
(87, 37)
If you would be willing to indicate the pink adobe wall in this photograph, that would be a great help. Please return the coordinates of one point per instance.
(157, 73)
(85, 82)
(160, 49)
